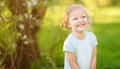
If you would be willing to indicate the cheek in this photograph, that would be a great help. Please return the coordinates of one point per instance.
(71, 22)
(86, 21)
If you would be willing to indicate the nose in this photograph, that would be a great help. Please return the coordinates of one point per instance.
(80, 20)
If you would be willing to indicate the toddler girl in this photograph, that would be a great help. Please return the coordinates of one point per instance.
(80, 45)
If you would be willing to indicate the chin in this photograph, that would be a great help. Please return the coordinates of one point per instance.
(81, 29)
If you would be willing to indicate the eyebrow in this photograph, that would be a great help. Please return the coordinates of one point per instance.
(79, 15)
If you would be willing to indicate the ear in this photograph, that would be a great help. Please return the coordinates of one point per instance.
(69, 26)
(88, 19)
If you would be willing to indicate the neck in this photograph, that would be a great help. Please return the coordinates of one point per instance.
(79, 35)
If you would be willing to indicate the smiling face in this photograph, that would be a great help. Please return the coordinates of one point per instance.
(78, 20)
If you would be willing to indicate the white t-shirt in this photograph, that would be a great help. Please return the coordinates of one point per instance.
(82, 49)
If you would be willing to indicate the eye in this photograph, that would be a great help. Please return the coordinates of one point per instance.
(75, 18)
(83, 16)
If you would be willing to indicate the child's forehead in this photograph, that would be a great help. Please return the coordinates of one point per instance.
(78, 12)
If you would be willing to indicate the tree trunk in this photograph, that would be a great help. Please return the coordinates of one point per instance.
(26, 49)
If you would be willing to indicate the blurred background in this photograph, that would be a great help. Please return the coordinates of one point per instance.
(31, 36)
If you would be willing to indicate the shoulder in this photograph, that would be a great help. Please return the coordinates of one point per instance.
(68, 39)
(91, 35)
(68, 46)
(92, 38)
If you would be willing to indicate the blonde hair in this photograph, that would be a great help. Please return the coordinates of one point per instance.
(69, 10)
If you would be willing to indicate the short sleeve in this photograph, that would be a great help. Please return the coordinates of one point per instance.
(68, 47)
(93, 39)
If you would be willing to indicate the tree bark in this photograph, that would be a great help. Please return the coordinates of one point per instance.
(27, 49)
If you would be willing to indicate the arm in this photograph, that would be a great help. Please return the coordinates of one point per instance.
(93, 59)
(71, 60)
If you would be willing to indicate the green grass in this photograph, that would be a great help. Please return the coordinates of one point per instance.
(108, 45)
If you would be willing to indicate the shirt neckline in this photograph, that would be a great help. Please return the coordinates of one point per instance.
(79, 39)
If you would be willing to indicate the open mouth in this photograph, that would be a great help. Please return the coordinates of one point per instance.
(81, 25)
